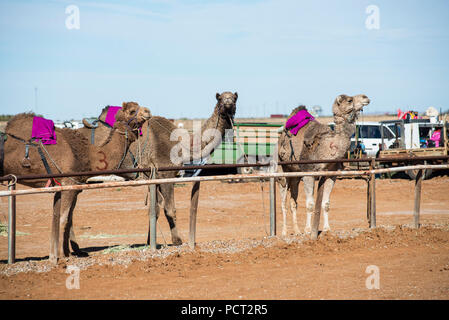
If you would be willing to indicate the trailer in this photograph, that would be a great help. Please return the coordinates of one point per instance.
(413, 138)
(249, 142)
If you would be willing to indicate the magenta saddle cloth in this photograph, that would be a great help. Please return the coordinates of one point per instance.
(44, 130)
(110, 116)
(299, 120)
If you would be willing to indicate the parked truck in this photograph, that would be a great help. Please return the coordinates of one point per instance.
(414, 138)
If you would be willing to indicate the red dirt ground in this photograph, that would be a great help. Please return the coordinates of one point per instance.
(413, 264)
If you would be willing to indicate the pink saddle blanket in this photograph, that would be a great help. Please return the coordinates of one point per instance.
(110, 117)
(299, 120)
(44, 130)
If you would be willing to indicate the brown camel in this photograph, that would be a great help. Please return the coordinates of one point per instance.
(72, 153)
(316, 141)
(159, 142)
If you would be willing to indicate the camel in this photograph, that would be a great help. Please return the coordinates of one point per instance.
(72, 153)
(155, 146)
(316, 141)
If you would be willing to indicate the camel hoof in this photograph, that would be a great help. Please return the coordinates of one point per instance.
(177, 242)
(308, 230)
(326, 229)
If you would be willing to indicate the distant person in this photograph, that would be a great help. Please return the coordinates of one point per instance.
(436, 137)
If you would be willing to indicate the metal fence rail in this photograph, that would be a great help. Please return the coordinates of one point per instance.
(371, 201)
(220, 166)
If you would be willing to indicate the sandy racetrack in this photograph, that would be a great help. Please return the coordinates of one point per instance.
(235, 258)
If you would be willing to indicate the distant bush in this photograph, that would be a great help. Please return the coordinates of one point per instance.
(5, 117)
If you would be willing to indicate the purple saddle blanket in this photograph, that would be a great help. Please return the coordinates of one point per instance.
(110, 116)
(299, 120)
(44, 130)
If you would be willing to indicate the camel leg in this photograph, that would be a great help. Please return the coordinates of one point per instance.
(194, 197)
(168, 193)
(72, 239)
(54, 241)
(68, 202)
(328, 186)
(309, 185)
(294, 184)
(283, 189)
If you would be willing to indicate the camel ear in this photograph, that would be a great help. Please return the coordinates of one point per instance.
(217, 96)
(87, 124)
(124, 105)
(236, 95)
(341, 98)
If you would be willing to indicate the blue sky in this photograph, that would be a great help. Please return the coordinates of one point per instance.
(173, 56)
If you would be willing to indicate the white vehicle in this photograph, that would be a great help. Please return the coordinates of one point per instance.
(369, 136)
(73, 124)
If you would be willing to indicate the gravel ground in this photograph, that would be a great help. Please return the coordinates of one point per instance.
(124, 254)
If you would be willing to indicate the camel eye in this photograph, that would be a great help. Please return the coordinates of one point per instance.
(350, 100)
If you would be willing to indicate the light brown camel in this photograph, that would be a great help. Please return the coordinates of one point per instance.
(160, 140)
(72, 153)
(316, 141)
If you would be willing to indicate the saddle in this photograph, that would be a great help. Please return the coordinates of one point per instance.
(301, 130)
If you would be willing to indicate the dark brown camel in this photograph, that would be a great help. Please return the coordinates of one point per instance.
(72, 153)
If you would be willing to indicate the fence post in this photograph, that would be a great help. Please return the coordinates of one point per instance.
(272, 207)
(318, 204)
(418, 183)
(372, 195)
(368, 201)
(193, 213)
(153, 216)
(12, 225)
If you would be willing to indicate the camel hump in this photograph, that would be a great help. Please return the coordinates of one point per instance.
(313, 131)
(87, 124)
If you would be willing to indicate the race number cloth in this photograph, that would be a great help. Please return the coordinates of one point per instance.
(44, 130)
(110, 117)
(299, 120)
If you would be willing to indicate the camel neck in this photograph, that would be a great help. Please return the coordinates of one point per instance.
(115, 147)
(211, 134)
(344, 127)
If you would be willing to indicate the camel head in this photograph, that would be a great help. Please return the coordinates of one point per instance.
(226, 103)
(348, 107)
(133, 114)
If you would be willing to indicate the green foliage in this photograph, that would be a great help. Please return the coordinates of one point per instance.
(5, 117)
(3, 230)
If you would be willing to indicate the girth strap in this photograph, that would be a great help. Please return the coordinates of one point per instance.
(27, 151)
(92, 135)
(44, 160)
